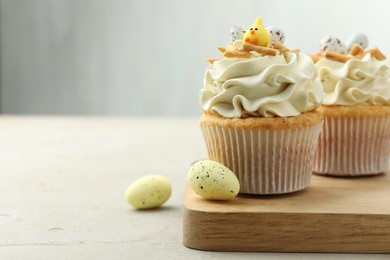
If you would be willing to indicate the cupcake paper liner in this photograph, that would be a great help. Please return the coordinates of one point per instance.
(265, 161)
(353, 146)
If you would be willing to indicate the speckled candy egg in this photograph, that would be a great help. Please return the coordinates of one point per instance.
(148, 192)
(212, 180)
(276, 35)
(236, 33)
(357, 38)
(333, 44)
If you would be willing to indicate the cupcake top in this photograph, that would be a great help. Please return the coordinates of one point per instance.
(352, 74)
(260, 77)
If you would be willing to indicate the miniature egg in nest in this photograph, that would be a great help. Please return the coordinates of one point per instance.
(212, 180)
(236, 33)
(276, 35)
(148, 192)
(333, 44)
(357, 38)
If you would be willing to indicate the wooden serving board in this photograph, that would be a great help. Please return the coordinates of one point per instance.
(331, 215)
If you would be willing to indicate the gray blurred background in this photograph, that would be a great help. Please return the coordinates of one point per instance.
(127, 57)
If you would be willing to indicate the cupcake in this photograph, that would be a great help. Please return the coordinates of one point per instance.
(259, 111)
(355, 139)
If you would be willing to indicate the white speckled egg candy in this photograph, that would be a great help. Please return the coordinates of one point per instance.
(148, 192)
(212, 180)
(357, 38)
(333, 44)
(276, 35)
(236, 33)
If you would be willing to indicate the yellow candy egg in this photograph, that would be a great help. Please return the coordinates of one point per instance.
(212, 180)
(148, 192)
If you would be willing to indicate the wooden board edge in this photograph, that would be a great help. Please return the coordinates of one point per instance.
(286, 232)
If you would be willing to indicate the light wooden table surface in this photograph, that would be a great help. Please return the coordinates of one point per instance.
(62, 185)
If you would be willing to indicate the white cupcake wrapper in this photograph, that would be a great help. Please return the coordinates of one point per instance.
(265, 161)
(353, 146)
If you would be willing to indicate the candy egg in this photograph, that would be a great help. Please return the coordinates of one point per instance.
(236, 33)
(331, 43)
(276, 35)
(357, 38)
(212, 180)
(148, 192)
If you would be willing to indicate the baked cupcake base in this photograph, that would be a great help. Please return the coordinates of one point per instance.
(268, 155)
(355, 141)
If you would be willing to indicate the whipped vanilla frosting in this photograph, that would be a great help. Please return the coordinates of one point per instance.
(358, 81)
(266, 86)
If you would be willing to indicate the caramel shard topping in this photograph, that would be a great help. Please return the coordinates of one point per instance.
(316, 57)
(260, 49)
(221, 49)
(356, 49)
(283, 49)
(233, 52)
(361, 55)
(211, 61)
(337, 56)
(279, 47)
(355, 52)
(378, 54)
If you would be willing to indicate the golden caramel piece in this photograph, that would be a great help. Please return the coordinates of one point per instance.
(356, 49)
(337, 56)
(260, 49)
(221, 49)
(233, 52)
(316, 57)
(211, 61)
(362, 54)
(281, 48)
(378, 54)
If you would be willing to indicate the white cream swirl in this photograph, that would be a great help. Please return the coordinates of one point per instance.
(267, 86)
(365, 81)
